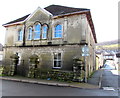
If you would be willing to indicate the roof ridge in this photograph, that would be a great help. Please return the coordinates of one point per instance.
(66, 6)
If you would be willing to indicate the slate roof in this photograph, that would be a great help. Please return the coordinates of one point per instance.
(58, 10)
(17, 20)
(53, 9)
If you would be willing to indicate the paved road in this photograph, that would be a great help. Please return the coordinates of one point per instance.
(110, 77)
(10, 88)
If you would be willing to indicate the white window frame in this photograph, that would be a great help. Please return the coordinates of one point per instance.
(19, 35)
(57, 60)
(29, 33)
(44, 32)
(54, 31)
(37, 31)
(19, 54)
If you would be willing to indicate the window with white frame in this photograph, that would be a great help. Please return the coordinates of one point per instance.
(57, 60)
(20, 35)
(58, 31)
(19, 54)
(37, 31)
(30, 33)
(44, 31)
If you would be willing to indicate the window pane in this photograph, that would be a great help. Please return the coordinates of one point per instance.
(30, 34)
(37, 31)
(55, 64)
(44, 32)
(20, 35)
(37, 35)
(55, 55)
(56, 35)
(59, 64)
(57, 59)
(59, 56)
(58, 31)
(37, 27)
(58, 27)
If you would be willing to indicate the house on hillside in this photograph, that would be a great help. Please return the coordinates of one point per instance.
(55, 35)
(107, 51)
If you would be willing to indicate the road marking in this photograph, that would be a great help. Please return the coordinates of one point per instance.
(109, 88)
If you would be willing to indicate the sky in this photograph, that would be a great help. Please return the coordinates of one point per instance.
(104, 14)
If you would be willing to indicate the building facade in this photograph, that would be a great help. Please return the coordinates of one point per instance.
(56, 34)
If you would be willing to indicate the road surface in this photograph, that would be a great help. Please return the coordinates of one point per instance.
(10, 88)
(110, 78)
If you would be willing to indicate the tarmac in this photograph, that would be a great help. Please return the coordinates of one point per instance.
(94, 82)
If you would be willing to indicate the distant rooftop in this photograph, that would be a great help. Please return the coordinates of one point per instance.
(107, 43)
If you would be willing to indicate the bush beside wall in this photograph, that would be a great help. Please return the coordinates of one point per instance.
(52, 74)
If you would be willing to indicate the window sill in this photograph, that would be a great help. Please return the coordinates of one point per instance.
(56, 38)
(29, 40)
(19, 41)
(56, 67)
(35, 39)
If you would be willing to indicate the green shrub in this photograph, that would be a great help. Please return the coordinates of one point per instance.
(51, 74)
(6, 70)
(1, 70)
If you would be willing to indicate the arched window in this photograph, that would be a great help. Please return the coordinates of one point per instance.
(37, 31)
(44, 32)
(30, 33)
(58, 31)
(20, 35)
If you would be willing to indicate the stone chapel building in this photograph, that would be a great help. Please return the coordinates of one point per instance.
(56, 34)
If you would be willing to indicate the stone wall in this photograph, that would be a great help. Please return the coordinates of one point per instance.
(46, 55)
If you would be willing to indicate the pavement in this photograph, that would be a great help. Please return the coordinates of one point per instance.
(96, 78)
(94, 82)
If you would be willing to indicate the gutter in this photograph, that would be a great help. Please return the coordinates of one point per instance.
(16, 23)
(68, 14)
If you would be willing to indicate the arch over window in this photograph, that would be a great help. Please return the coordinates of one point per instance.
(30, 33)
(44, 31)
(58, 31)
(20, 35)
(37, 31)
